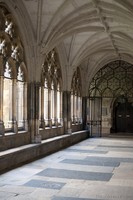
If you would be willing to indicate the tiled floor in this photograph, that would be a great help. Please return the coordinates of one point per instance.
(95, 169)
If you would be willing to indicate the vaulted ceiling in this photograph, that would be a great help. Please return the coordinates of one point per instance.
(89, 33)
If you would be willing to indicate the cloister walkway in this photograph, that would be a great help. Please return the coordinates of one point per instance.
(94, 169)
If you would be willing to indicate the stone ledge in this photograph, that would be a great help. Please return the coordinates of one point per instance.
(15, 157)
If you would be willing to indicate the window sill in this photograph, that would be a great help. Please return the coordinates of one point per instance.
(12, 133)
(9, 133)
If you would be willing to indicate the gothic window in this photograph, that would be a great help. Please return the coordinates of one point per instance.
(52, 96)
(76, 99)
(13, 73)
(113, 80)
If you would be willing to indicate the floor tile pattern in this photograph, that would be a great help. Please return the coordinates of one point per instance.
(94, 169)
(44, 184)
(93, 161)
(74, 174)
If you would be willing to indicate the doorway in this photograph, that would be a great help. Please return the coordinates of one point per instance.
(123, 114)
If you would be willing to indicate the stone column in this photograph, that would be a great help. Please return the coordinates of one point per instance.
(74, 109)
(42, 107)
(14, 106)
(1, 106)
(61, 109)
(25, 106)
(49, 109)
(2, 129)
(33, 111)
(67, 112)
(84, 112)
(55, 109)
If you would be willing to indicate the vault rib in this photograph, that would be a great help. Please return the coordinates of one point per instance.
(105, 25)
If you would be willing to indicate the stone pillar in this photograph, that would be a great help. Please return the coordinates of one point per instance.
(84, 112)
(25, 107)
(33, 111)
(67, 112)
(42, 107)
(61, 109)
(49, 109)
(1, 106)
(55, 109)
(14, 106)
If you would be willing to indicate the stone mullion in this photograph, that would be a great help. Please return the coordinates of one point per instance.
(42, 107)
(61, 108)
(69, 130)
(81, 104)
(74, 108)
(84, 112)
(49, 109)
(79, 109)
(13, 108)
(76, 113)
(1, 106)
(55, 108)
(25, 106)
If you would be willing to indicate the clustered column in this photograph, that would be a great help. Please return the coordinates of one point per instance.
(33, 98)
(67, 111)
(1, 106)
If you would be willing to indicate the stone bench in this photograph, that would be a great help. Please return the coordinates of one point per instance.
(17, 156)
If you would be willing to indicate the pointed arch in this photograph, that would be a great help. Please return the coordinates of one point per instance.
(14, 74)
(51, 92)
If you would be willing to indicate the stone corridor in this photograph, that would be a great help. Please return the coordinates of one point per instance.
(94, 169)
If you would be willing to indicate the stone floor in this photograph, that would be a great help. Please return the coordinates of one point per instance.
(95, 169)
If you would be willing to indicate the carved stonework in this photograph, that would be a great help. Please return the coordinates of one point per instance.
(76, 83)
(10, 42)
(51, 86)
(13, 73)
(76, 99)
(114, 79)
(2, 20)
(50, 69)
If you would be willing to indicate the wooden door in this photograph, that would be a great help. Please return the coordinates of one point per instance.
(124, 117)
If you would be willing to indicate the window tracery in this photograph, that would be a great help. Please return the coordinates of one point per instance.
(52, 95)
(113, 80)
(14, 73)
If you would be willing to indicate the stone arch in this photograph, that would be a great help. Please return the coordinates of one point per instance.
(109, 83)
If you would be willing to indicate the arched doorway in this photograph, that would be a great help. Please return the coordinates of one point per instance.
(123, 115)
(113, 83)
